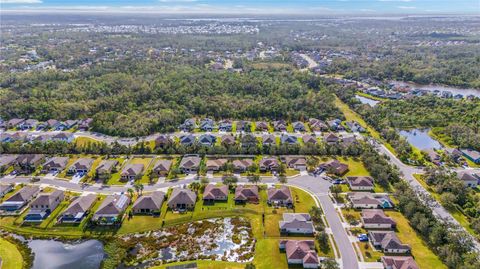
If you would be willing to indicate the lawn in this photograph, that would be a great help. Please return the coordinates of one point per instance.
(303, 200)
(424, 257)
(355, 167)
(369, 254)
(115, 177)
(291, 172)
(202, 264)
(268, 256)
(83, 141)
(11, 256)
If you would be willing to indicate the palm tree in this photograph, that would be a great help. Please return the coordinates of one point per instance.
(130, 191)
(254, 179)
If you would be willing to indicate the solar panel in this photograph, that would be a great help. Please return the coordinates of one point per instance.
(121, 201)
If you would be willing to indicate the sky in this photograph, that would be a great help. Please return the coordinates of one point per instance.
(312, 7)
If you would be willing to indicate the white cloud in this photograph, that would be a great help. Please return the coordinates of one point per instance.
(21, 1)
(406, 7)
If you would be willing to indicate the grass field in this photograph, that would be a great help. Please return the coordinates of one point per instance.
(206, 265)
(11, 256)
(83, 141)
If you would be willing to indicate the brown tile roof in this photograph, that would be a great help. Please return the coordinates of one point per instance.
(162, 165)
(190, 162)
(361, 181)
(376, 216)
(133, 169)
(387, 240)
(213, 192)
(283, 193)
(309, 139)
(294, 161)
(106, 166)
(182, 196)
(299, 249)
(228, 139)
(244, 193)
(47, 198)
(152, 201)
(242, 163)
(80, 204)
(24, 194)
(216, 163)
(269, 162)
(113, 204)
(399, 262)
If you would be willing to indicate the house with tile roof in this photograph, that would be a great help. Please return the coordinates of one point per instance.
(296, 223)
(376, 219)
(78, 209)
(300, 252)
(279, 196)
(246, 194)
(149, 204)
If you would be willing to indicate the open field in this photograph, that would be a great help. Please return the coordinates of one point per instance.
(11, 256)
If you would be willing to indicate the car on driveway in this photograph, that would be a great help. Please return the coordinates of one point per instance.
(363, 237)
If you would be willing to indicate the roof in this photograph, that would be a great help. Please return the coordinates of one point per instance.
(216, 162)
(331, 137)
(24, 194)
(467, 176)
(133, 169)
(363, 198)
(243, 193)
(190, 162)
(80, 204)
(153, 201)
(28, 159)
(83, 163)
(212, 191)
(362, 181)
(338, 167)
(228, 139)
(296, 221)
(268, 138)
(182, 196)
(471, 153)
(261, 125)
(399, 262)
(309, 139)
(162, 165)
(269, 162)
(113, 204)
(293, 161)
(7, 159)
(59, 162)
(106, 165)
(282, 193)
(186, 139)
(387, 240)
(242, 163)
(299, 249)
(376, 216)
(47, 198)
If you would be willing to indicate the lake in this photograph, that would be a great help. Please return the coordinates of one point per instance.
(368, 101)
(420, 139)
(54, 254)
(441, 88)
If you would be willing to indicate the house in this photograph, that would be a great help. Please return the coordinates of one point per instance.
(368, 200)
(225, 126)
(472, 155)
(376, 219)
(246, 194)
(78, 209)
(268, 139)
(309, 139)
(296, 162)
(63, 137)
(280, 126)
(188, 125)
(132, 171)
(214, 193)
(55, 165)
(216, 164)
(334, 167)
(349, 140)
(187, 140)
(53, 124)
(242, 165)
(469, 179)
(162, 167)
(69, 124)
(6, 161)
(355, 127)
(296, 223)
(228, 140)
(41, 126)
(300, 252)
(149, 204)
(28, 124)
(269, 164)
(399, 262)
(19, 199)
(162, 141)
(13, 123)
(298, 126)
(388, 242)
(243, 126)
(261, 126)
(335, 125)
(80, 166)
(207, 140)
(280, 196)
(182, 199)
(105, 169)
(9, 138)
(189, 164)
(361, 183)
(317, 125)
(43, 206)
(84, 125)
(288, 139)
(454, 153)
(111, 210)
(248, 140)
(5, 188)
(433, 156)
(331, 138)
(207, 125)
(27, 163)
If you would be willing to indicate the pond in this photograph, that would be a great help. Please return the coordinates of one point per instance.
(420, 139)
(368, 101)
(54, 254)
(441, 88)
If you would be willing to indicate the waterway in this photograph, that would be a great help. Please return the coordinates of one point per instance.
(420, 139)
(368, 101)
(441, 88)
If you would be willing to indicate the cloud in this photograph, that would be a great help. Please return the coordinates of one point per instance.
(21, 1)
(406, 7)
(176, 1)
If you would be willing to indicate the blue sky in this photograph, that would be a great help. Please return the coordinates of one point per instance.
(321, 7)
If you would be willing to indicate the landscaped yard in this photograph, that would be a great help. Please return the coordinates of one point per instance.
(11, 256)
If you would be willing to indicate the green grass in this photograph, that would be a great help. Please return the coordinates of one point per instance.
(11, 256)
(369, 254)
(202, 264)
(268, 256)
(83, 141)
(291, 172)
(115, 177)
(355, 167)
(302, 200)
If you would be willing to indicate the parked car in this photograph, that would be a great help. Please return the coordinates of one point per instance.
(363, 237)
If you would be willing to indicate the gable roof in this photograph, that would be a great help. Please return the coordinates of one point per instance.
(242, 163)
(296, 221)
(151, 201)
(47, 198)
(399, 262)
(244, 193)
(283, 193)
(295, 160)
(133, 169)
(269, 162)
(300, 250)
(216, 163)
(113, 205)
(212, 191)
(190, 162)
(360, 181)
(24, 194)
(376, 216)
(182, 196)
(228, 139)
(83, 163)
(106, 165)
(387, 240)
(80, 204)
(57, 162)
(309, 139)
(162, 165)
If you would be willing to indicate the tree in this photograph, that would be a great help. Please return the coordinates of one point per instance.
(194, 186)
(448, 200)
(229, 180)
(330, 264)
(282, 179)
(254, 179)
(138, 188)
(130, 192)
(335, 190)
(250, 266)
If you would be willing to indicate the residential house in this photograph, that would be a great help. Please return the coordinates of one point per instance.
(269, 164)
(296, 223)
(207, 125)
(472, 155)
(132, 171)
(187, 140)
(43, 206)
(28, 124)
(214, 193)
(27, 163)
(111, 210)
(163, 141)
(331, 138)
(317, 125)
(84, 125)
(182, 199)
(78, 209)
(348, 141)
(261, 126)
(280, 196)
(189, 164)
(243, 126)
(19, 199)
(335, 125)
(228, 140)
(246, 194)
(309, 139)
(161, 168)
(242, 165)
(13, 123)
(355, 127)
(288, 139)
(5, 188)
(69, 124)
(207, 139)
(41, 126)
(55, 165)
(216, 164)
(454, 153)
(298, 126)
(334, 167)
(188, 125)
(150, 204)
(399, 262)
(433, 156)
(296, 162)
(376, 219)
(6, 161)
(388, 242)
(248, 140)
(268, 139)
(9, 138)
(53, 124)
(280, 126)
(369, 201)
(469, 179)
(300, 252)
(360, 183)
(105, 169)
(80, 166)
(225, 126)
(64, 137)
